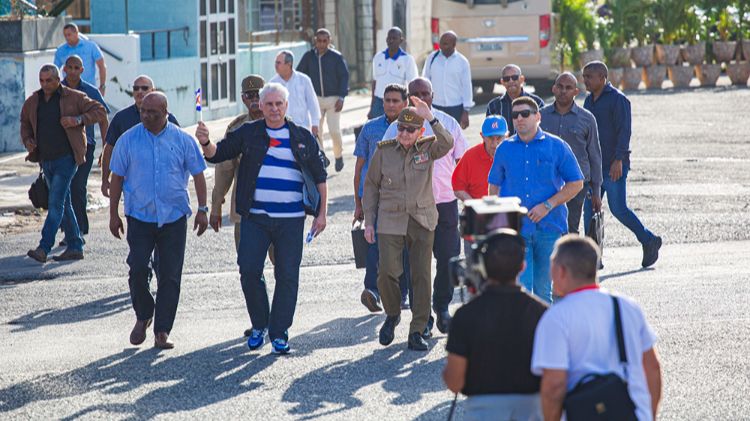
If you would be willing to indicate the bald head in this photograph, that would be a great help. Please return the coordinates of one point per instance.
(74, 60)
(448, 43)
(421, 88)
(566, 77)
(154, 112)
(565, 90)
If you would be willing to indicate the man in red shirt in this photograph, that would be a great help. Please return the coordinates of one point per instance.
(470, 176)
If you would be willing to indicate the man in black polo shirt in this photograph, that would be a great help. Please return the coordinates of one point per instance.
(491, 339)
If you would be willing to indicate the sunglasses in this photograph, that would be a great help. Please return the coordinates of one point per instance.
(250, 95)
(509, 78)
(523, 113)
(408, 129)
(143, 88)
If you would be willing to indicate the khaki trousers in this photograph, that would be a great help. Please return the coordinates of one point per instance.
(418, 241)
(328, 108)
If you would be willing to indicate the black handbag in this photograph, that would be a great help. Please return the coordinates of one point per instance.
(596, 229)
(39, 192)
(603, 396)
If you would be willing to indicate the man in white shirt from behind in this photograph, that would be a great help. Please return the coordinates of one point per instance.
(576, 336)
(303, 104)
(450, 74)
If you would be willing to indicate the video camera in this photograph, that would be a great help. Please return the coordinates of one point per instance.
(480, 218)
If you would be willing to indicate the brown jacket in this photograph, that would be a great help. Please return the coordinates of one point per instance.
(72, 104)
(398, 184)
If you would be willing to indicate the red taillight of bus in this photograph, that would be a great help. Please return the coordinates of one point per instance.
(544, 30)
(435, 29)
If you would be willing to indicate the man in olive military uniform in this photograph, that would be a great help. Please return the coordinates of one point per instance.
(226, 172)
(398, 194)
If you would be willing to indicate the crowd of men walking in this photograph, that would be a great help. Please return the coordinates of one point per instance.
(413, 166)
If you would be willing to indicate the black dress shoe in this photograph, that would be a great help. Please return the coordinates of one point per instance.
(417, 342)
(651, 252)
(339, 164)
(427, 332)
(387, 331)
(443, 321)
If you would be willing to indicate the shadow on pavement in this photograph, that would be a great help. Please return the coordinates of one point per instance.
(441, 411)
(403, 372)
(341, 204)
(21, 269)
(220, 372)
(87, 311)
(625, 273)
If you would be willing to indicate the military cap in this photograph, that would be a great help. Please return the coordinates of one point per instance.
(409, 117)
(252, 82)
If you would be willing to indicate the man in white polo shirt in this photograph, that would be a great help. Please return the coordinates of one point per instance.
(303, 104)
(450, 74)
(393, 65)
(576, 336)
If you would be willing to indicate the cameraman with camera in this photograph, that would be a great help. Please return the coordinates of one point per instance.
(491, 338)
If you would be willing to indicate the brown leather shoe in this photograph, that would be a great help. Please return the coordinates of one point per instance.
(162, 341)
(138, 334)
(68, 254)
(37, 254)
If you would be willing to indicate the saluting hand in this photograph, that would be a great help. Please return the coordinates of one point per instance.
(423, 110)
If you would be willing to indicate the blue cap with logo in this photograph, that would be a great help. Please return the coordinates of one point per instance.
(494, 125)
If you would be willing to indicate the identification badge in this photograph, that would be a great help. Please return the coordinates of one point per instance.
(421, 158)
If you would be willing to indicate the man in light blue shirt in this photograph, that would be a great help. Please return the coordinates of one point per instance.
(152, 163)
(542, 171)
(88, 51)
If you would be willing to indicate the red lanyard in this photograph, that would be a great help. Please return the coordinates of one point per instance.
(584, 288)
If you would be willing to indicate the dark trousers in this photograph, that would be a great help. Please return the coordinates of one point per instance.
(169, 239)
(454, 111)
(257, 233)
(575, 208)
(78, 190)
(371, 270)
(446, 246)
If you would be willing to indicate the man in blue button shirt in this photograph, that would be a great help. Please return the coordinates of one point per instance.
(80, 45)
(541, 169)
(152, 164)
(394, 100)
(73, 69)
(612, 111)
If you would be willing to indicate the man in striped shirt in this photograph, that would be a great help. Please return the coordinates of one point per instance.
(281, 178)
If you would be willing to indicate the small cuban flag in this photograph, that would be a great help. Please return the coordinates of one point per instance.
(198, 99)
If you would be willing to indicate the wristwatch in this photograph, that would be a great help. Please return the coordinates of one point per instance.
(433, 121)
(203, 209)
(79, 120)
(548, 205)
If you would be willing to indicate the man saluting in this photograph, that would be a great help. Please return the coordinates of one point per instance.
(398, 193)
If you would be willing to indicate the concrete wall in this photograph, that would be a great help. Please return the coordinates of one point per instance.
(11, 100)
(108, 17)
(179, 86)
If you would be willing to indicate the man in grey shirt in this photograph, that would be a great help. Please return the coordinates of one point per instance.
(577, 127)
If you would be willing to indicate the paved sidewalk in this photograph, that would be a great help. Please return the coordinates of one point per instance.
(16, 175)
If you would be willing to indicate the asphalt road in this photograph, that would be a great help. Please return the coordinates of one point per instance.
(64, 327)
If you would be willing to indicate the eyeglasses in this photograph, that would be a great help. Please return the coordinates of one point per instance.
(409, 129)
(508, 78)
(143, 88)
(250, 95)
(522, 113)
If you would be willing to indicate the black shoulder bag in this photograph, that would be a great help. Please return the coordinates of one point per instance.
(39, 192)
(603, 396)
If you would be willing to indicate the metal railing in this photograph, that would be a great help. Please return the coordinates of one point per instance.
(154, 32)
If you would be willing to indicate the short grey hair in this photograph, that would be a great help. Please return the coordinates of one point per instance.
(509, 67)
(50, 67)
(274, 87)
(288, 57)
(146, 78)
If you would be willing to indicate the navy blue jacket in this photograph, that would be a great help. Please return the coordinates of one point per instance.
(335, 72)
(612, 112)
(503, 106)
(251, 140)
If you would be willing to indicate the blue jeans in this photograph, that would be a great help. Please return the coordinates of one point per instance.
(144, 238)
(376, 108)
(59, 173)
(536, 278)
(78, 190)
(616, 192)
(257, 233)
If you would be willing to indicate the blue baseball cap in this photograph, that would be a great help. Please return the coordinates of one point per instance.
(494, 125)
